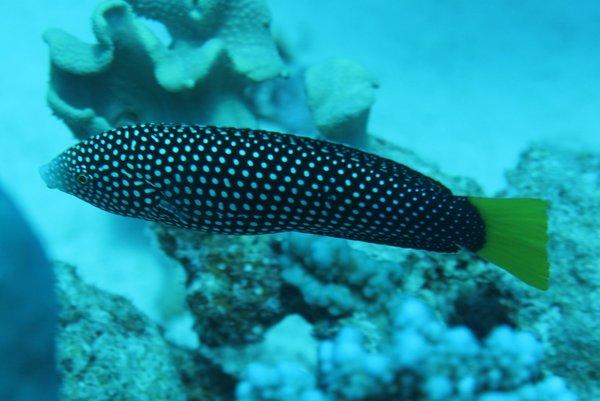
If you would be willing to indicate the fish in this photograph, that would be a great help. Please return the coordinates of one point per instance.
(242, 181)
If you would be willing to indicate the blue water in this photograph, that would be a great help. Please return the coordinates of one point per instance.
(467, 85)
(461, 77)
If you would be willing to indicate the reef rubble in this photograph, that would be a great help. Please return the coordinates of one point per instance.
(565, 317)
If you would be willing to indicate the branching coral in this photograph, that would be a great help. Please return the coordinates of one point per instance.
(218, 48)
(422, 359)
(332, 275)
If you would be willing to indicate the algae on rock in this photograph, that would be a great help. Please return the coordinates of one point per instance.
(203, 380)
(107, 350)
(233, 283)
(566, 316)
(218, 49)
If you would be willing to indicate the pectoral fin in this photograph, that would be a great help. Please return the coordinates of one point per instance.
(171, 210)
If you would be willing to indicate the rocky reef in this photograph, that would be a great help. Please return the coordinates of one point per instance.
(564, 316)
(300, 317)
(109, 350)
(418, 359)
(339, 286)
(233, 283)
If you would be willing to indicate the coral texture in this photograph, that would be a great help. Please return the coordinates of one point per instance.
(565, 317)
(233, 283)
(421, 359)
(107, 350)
(330, 274)
(202, 379)
(340, 95)
(218, 49)
(243, 26)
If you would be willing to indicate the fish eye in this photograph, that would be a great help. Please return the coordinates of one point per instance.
(82, 179)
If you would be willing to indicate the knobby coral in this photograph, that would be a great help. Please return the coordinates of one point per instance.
(420, 359)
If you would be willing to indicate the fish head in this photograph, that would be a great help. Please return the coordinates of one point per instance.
(70, 173)
(105, 172)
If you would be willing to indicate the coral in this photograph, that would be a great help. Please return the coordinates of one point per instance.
(218, 49)
(340, 95)
(285, 381)
(564, 316)
(291, 339)
(243, 26)
(233, 284)
(331, 274)
(28, 312)
(109, 350)
(421, 359)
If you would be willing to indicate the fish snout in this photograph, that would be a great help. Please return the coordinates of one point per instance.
(48, 176)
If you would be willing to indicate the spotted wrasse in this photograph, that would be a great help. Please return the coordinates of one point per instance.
(244, 181)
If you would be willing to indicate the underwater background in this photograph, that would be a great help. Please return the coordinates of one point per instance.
(489, 97)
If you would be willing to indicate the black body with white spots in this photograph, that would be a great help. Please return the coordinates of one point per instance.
(243, 181)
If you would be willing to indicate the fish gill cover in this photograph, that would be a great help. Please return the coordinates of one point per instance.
(299, 317)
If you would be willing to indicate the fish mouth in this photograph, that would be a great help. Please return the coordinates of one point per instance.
(46, 174)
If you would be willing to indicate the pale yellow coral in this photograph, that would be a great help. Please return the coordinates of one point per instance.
(218, 48)
(340, 95)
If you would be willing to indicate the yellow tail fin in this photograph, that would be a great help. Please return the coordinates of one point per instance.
(516, 237)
